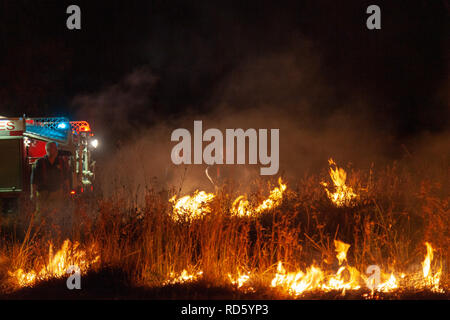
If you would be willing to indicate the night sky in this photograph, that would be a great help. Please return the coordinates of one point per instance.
(191, 46)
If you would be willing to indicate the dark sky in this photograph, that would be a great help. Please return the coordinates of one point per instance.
(191, 46)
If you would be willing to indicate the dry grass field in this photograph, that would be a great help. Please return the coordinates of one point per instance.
(310, 238)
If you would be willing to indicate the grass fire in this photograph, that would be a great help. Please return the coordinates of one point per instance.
(253, 151)
(283, 240)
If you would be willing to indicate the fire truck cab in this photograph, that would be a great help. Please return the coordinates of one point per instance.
(22, 142)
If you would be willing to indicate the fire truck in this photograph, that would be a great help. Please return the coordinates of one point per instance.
(22, 142)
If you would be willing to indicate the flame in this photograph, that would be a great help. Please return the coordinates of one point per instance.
(191, 207)
(388, 285)
(349, 278)
(343, 195)
(69, 254)
(341, 249)
(346, 278)
(196, 206)
(183, 277)
(339, 282)
(314, 278)
(430, 280)
(427, 262)
(242, 208)
(240, 280)
(296, 283)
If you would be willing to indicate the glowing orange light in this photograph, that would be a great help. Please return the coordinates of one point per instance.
(80, 126)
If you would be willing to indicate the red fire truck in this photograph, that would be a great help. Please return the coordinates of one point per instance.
(22, 142)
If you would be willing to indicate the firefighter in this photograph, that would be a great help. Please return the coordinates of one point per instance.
(49, 183)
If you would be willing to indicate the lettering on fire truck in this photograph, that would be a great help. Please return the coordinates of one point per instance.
(11, 127)
(7, 126)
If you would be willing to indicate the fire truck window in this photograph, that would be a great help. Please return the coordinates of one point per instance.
(11, 165)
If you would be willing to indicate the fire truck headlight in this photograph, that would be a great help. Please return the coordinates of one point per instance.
(94, 143)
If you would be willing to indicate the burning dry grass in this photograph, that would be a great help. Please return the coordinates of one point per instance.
(343, 195)
(286, 239)
(70, 254)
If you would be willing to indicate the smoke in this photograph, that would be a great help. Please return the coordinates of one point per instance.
(120, 109)
(285, 90)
